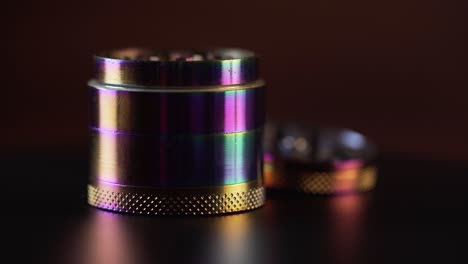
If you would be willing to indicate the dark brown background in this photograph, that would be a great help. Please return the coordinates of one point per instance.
(395, 70)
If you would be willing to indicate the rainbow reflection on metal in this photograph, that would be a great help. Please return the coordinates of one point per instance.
(318, 160)
(176, 132)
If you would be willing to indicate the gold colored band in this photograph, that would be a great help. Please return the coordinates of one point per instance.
(363, 179)
(187, 201)
(330, 182)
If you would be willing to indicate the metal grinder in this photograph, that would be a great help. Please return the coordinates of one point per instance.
(176, 132)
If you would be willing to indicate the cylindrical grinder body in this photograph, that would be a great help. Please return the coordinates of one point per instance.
(176, 132)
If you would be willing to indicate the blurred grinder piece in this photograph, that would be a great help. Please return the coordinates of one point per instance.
(318, 160)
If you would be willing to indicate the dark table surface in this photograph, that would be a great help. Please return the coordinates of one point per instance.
(416, 214)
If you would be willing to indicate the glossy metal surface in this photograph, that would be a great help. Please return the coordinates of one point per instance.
(167, 112)
(176, 160)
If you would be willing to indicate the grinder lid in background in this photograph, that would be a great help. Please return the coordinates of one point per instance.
(318, 160)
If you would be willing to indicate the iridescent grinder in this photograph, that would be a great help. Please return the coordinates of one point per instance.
(176, 132)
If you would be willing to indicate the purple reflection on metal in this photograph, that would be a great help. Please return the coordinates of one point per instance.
(348, 164)
(234, 111)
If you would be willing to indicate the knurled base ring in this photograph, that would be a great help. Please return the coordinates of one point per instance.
(204, 201)
(327, 182)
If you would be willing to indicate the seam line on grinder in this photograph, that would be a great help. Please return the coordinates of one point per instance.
(159, 134)
(175, 89)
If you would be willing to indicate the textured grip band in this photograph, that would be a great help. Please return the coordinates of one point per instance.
(200, 201)
(322, 182)
(336, 182)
